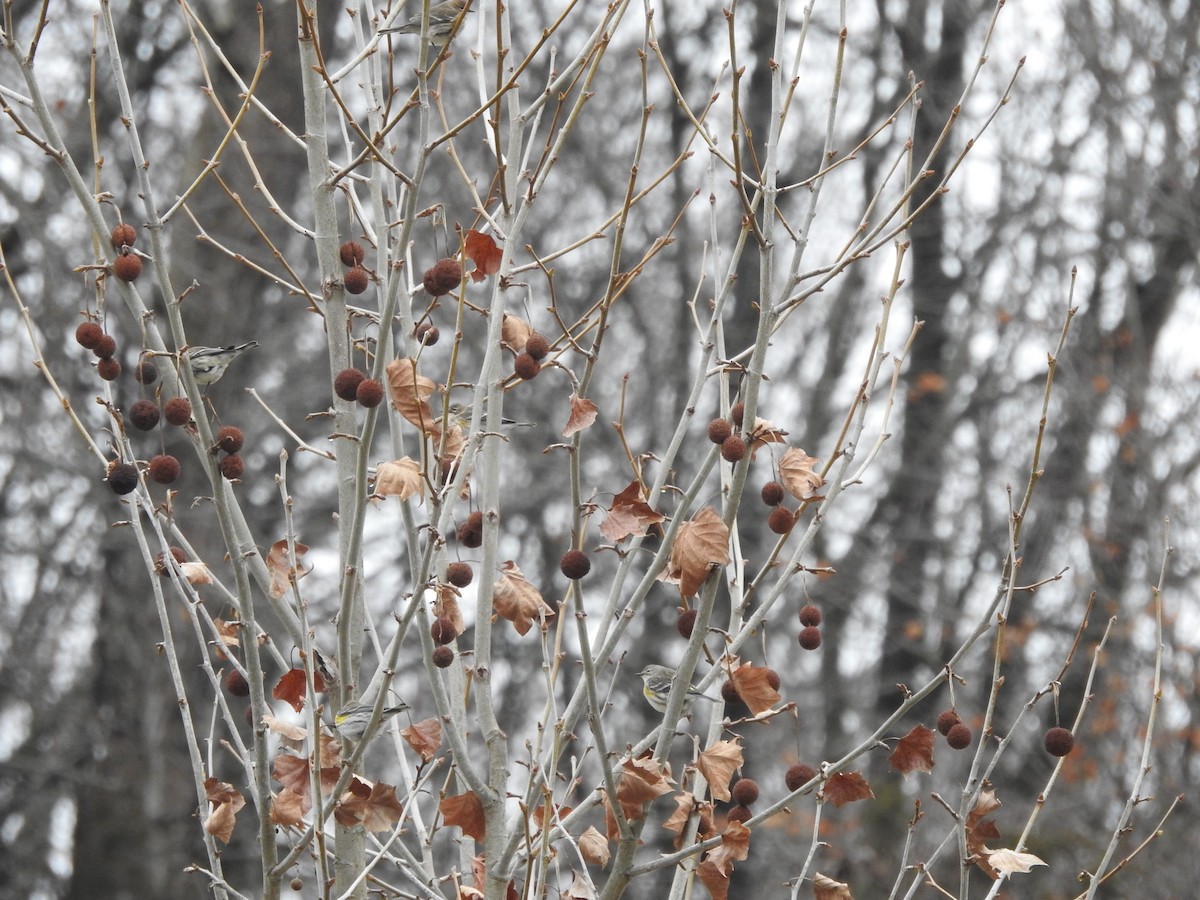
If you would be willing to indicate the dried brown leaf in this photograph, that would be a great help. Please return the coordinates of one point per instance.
(593, 846)
(280, 569)
(764, 433)
(717, 764)
(425, 737)
(580, 888)
(286, 730)
(515, 331)
(1009, 862)
(410, 392)
(376, 806)
(465, 811)
(797, 475)
(642, 780)
(446, 607)
(714, 879)
(913, 752)
(226, 800)
(399, 478)
(846, 787)
(291, 689)
(734, 846)
(515, 599)
(629, 514)
(196, 573)
(754, 687)
(288, 808)
(701, 545)
(825, 888)
(583, 414)
(481, 249)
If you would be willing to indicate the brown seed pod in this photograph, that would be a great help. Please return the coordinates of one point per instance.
(352, 254)
(143, 414)
(160, 561)
(781, 520)
(106, 347)
(537, 345)
(146, 372)
(1059, 741)
(236, 684)
(232, 467)
(427, 334)
(470, 532)
(346, 382)
(959, 736)
(729, 693)
(369, 393)
(177, 411)
(575, 564)
(772, 493)
(88, 335)
(772, 678)
(737, 412)
(127, 266)
(442, 277)
(124, 235)
(739, 814)
(459, 574)
(442, 657)
(719, 430)
(799, 774)
(810, 637)
(230, 439)
(442, 631)
(356, 280)
(686, 623)
(745, 792)
(164, 469)
(108, 369)
(526, 367)
(733, 448)
(946, 720)
(122, 477)
(810, 615)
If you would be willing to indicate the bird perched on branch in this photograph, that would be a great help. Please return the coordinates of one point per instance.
(209, 363)
(352, 719)
(656, 688)
(443, 22)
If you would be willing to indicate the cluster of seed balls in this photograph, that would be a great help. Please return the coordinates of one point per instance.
(356, 278)
(1058, 741)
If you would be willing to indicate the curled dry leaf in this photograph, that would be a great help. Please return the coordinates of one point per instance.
(913, 752)
(230, 632)
(278, 564)
(797, 475)
(376, 806)
(482, 250)
(583, 414)
(465, 811)
(446, 607)
(764, 433)
(515, 599)
(1009, 862)
(288, 809)
(594, 847)
(196, 573)
(641, 780)
(714, 879)
(581, 888)
(425, 737)
(286, 730)
(226, 800)
(515, 331)
(754, 687)
(290, 689)
(846, 787)
(629, 514)
(701, 545)
(718, 763)
(410, 392)
(734, 846)
(980, 829)
(825, 888)
(399, 478)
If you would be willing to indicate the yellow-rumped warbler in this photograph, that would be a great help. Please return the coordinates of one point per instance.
(352, 719)
(442, 20)
(209, 363)
(656, 688)
(460, 415)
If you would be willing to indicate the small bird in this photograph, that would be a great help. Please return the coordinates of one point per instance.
(209, 363)
(443, 17)
(352, 719)
(656, 688)
(460, 415)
